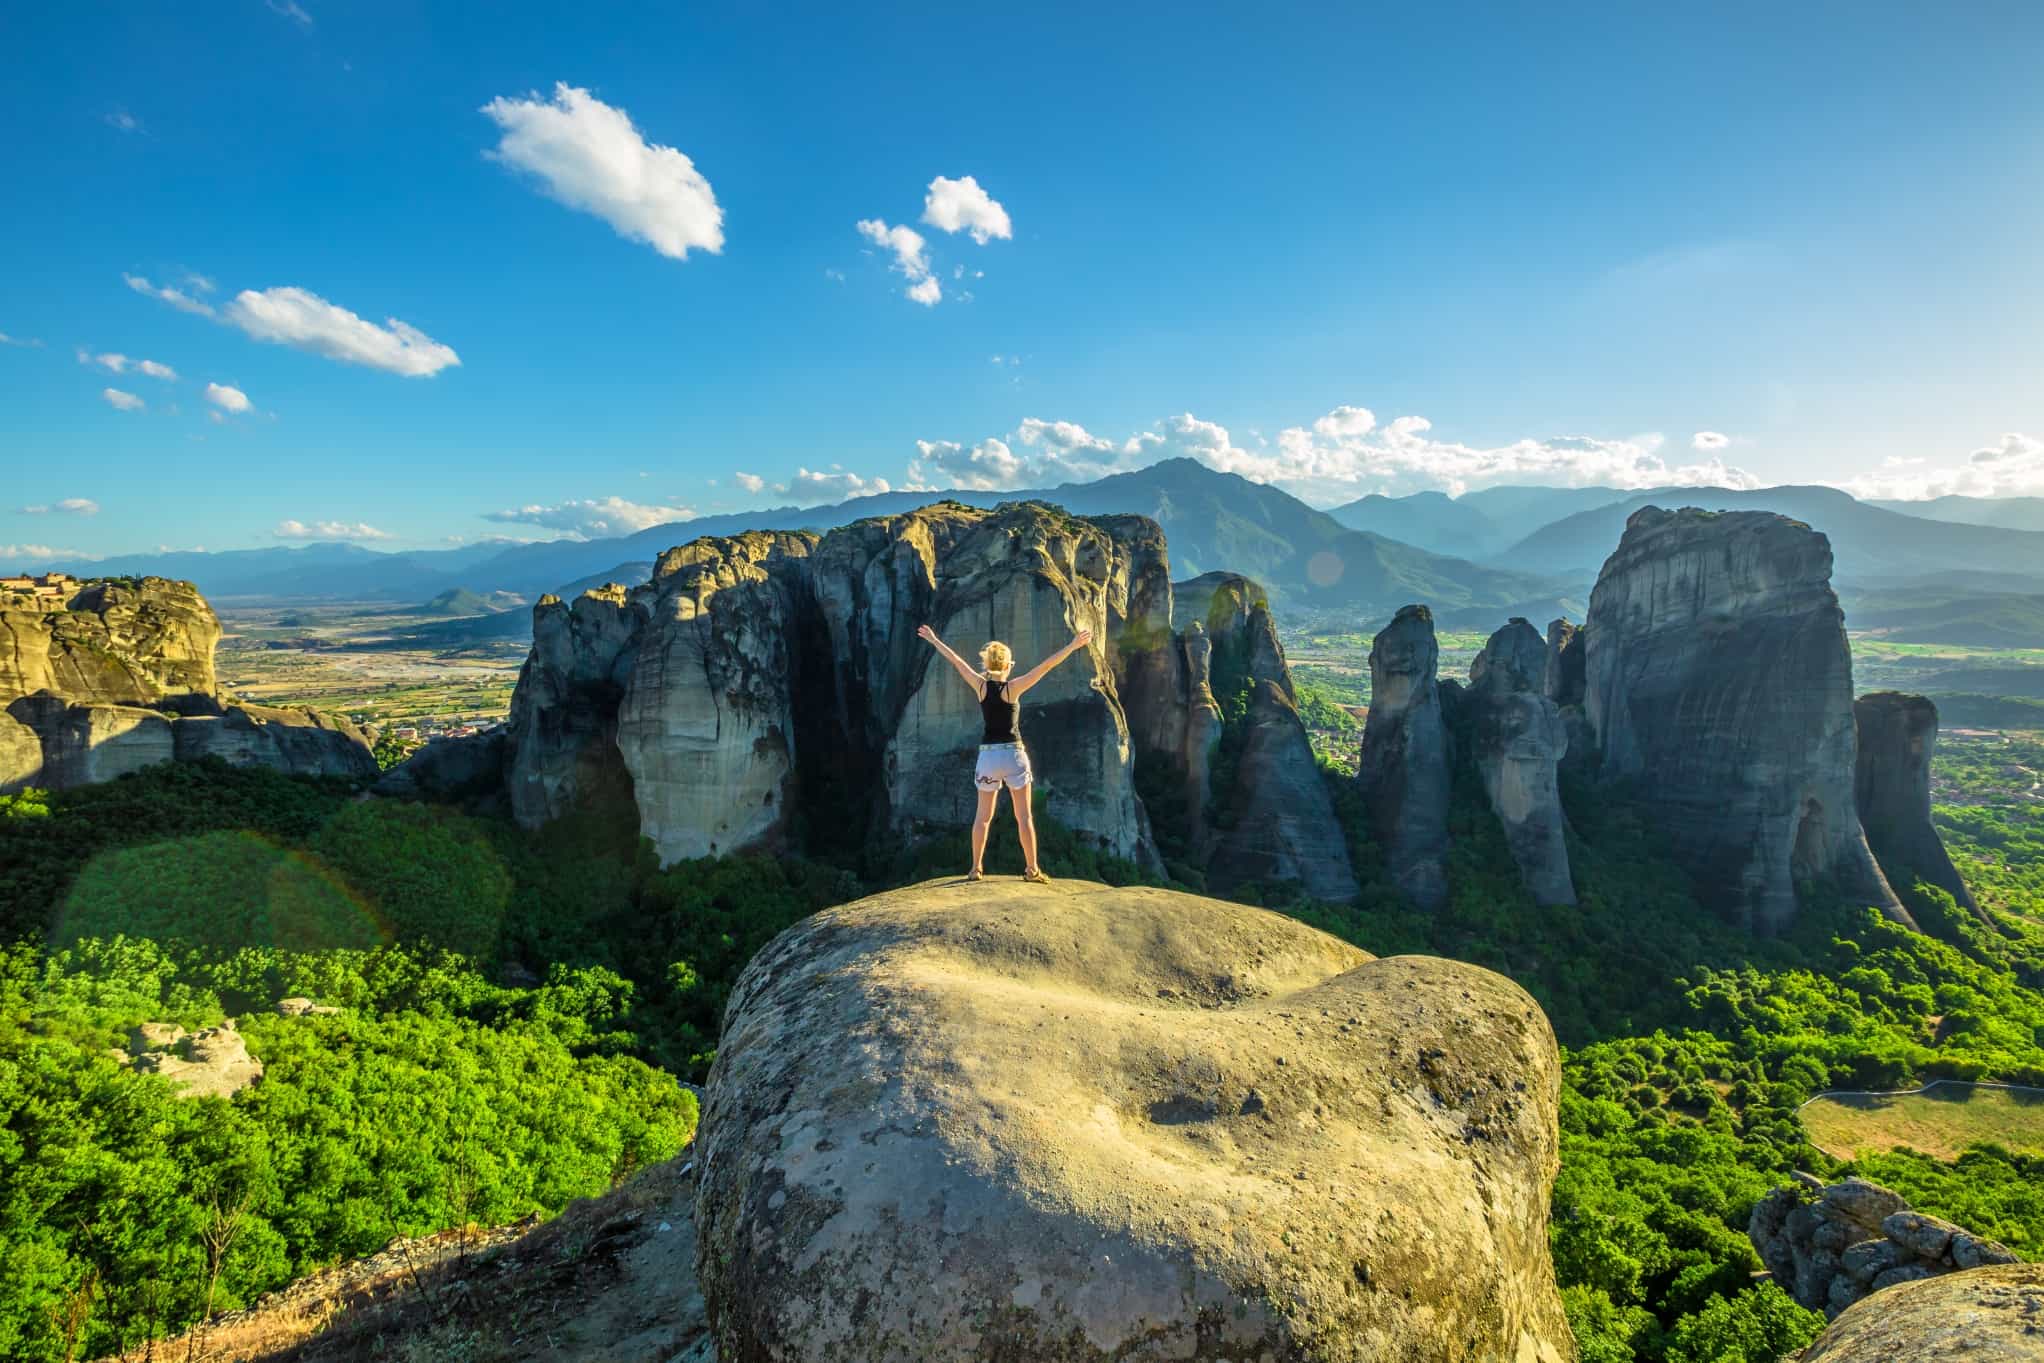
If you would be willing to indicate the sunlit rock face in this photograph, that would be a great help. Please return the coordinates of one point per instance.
(116, 675)
(1718, 681)
(1405, 769)
(770, 690)
(1518, 740)
(1891, 785)
(1074, 1124)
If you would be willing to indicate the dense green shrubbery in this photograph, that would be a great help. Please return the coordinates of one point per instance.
(433, 1099)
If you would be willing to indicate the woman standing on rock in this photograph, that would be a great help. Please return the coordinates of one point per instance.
(1003, 761)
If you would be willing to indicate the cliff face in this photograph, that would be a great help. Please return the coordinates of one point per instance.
(1718, 680)
(118, 676)
(1404, 774)
(757, 678)
(115, 642)
(1518, 739)
(1891, 788)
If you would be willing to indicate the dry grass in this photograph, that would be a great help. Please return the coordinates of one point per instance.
(1941, 1122)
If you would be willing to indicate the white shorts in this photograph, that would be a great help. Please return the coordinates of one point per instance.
(1002, 764)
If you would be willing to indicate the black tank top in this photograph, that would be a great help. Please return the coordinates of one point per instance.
(1002, 716)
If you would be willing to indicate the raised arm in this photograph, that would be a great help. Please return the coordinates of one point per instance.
(1042, 669)
(965, 669)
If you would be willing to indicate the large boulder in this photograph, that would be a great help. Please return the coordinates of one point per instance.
(1985, 1315)
(1007, 1121)
(1891, 788)
(1283, 827)
(1518, 739)
(1405, 768)
(451, 770)
(1719, 683)
(563, 722)
(1829, 1246)
(307, 742)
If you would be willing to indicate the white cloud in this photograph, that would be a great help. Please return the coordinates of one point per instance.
(157, 371)
(835, 486)
(296, 317)
(69, 506)
(111, 361)
(2011, 467)
(928, 291)
(909, 258)
(961, 205)
(177, 298)
(596, 518)
(227, 398)
(1335, 458)
(35, 551)
(123, 121)
(834, 275)
(751, 482)
(25, 342)
(328, 530)
(290, 10)
(121, 402)
(587, 155)
(1709, 440)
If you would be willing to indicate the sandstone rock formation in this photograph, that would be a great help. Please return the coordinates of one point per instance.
(1830, 1246)
(212, 1062)
(1984, 1315)
(1517, 739)
(1717, 678)
(1405, 768)
(1567, 648)
(1078, 1123)
(112, 641)
(773, 682)
(451, 770)
(1891, 789)
(117, 675)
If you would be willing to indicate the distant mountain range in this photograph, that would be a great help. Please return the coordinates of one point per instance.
(1476, 559)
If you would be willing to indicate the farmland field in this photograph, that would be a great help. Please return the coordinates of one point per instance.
(1942, 1121)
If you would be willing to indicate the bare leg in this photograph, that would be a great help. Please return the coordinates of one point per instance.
(980, 822)
(1025, 827)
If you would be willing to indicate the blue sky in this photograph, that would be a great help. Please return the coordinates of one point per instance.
(1347, 251)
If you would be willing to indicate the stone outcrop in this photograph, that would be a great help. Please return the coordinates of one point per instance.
(451, 770)
(1079, 1123)
(1517, 739)
(1405, 768)
(212, 1062)
(110, 641)
(1567, 648)
(771, 683)
(1891, 789)
(117, 675)
(1830, 1246)
(1984, 1315)
(1718, 682)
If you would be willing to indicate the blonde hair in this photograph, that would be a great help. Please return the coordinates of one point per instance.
(996, 660)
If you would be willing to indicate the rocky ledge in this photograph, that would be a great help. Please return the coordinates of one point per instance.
(1063, 1123)
(1985, 1315)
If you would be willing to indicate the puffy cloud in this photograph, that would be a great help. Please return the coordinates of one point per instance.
(35, 551)
(1709, 440)
(69, 506)
(751, 482)
(110, 361)
(157, 371)
(836, 486)
(121, 402)
(297, 317)
(177, 298)
(1337, 457)
(587, 155)
(907, 246)
(961, 205)
(594, 518)
(227, 398)
(2011, 467)
(121, 120)
(328, 530)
